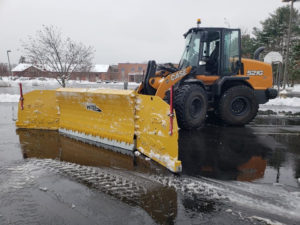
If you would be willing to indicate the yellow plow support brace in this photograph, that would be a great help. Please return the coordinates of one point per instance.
(118, 118)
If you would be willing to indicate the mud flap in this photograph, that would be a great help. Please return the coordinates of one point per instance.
(40, 111)
(152, 132)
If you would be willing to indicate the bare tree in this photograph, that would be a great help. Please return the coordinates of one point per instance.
(22, 59)
(49, 50)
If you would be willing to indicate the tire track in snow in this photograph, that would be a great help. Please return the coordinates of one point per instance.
(271, 199)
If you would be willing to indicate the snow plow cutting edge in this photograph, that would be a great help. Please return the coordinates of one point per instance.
(118, 118)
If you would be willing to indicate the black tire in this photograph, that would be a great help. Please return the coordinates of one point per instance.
(238, 106)
(190, 103)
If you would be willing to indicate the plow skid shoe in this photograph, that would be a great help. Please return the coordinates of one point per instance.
(122, 119)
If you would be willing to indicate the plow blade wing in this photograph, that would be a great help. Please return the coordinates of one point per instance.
(40, 111)
(152, 131)
(118, 119)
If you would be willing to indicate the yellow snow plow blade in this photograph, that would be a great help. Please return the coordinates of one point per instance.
(117, 118)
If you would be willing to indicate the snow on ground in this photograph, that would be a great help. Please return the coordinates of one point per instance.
(282, 104)
(295, 89)
(9, 98)
(4, 83)
(26, 81)
(280, 101)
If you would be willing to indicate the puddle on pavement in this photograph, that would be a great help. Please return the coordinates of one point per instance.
(242, 154)
(225, 153)
(52, 145)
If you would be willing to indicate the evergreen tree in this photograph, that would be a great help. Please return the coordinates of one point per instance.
(294, 69)
(274, 32)
(249, 45)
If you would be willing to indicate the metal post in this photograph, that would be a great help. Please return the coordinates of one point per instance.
(285, 74)
(125, 82)
(171, 110)
(7, 52)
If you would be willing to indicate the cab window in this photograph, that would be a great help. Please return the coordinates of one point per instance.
(231, 52)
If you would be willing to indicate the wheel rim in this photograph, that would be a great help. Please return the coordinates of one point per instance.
(195, 108)
(240, 106)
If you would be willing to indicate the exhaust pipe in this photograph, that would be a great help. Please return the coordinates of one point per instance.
(257, 52)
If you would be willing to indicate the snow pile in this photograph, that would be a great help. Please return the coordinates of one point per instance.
(4, 84)
(26, 81)
(294, 102)
(296, 88)
(281, 104)
(9, 98)
(43, 81)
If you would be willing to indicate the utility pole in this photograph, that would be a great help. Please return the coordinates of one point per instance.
(7, 52)
(285, 74)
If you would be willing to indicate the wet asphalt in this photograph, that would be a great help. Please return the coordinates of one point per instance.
(231, 175)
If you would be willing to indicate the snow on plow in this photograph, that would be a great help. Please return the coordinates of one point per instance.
(120, 119)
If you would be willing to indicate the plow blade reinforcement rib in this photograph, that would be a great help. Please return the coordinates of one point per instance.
(119, 119)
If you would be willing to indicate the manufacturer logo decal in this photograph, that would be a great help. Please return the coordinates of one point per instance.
(179, 74)
(93, 107)
(255, 72)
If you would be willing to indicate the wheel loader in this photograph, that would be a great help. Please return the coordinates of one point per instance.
(211, 78)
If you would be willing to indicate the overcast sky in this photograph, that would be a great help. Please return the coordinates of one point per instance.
(125, 30)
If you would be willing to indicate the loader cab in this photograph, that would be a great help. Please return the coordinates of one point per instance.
(212, 51)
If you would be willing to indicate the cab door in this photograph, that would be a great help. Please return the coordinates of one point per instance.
(231, 52)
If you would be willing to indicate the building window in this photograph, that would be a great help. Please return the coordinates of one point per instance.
(132, 69)
(140, 69)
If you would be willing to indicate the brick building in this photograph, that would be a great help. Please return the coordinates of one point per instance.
(112, 73)
(133, 72)
(98, 72)
(29, 70)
